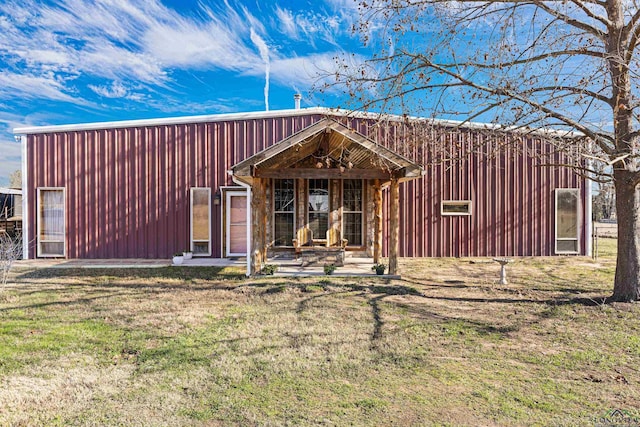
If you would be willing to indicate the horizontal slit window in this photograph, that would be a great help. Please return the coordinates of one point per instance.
(455, 207)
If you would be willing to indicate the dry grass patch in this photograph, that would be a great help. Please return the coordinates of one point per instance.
(447, 345)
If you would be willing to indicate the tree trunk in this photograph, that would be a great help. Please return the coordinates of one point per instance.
(627, 280)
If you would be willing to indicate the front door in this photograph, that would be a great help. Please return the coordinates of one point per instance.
(236, 224)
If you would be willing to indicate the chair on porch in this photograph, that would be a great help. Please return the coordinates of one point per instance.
(334, 239)
(304, 237)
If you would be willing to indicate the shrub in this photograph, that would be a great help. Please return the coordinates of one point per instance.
(329, 269)
(10, 251)
(269, 269)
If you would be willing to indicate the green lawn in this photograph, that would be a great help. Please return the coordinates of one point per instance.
(447, 345)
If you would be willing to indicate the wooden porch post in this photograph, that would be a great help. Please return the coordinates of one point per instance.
(258, 225)
(377, 221)
(394, 232)
(301, 197)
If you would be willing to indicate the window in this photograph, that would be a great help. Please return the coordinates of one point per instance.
(51, 222)
(567, 220)
(283, 211)
(201, 221)
(7, 203)
(319, 207)
(352, 211)
(455, 207)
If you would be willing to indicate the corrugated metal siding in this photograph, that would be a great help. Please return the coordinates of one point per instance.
(512, 194)
(128, 189)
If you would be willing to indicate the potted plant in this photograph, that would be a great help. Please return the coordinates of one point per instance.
(379, 269)
(178, 258)
(187, 254)
(329, 269)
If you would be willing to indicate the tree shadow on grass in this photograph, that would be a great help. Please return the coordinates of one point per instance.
(374, 294)
(184, 273)
(570, 295)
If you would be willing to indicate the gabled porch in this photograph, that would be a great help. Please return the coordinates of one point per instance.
(320, 191)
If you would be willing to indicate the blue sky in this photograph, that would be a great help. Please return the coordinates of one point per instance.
(75, 61)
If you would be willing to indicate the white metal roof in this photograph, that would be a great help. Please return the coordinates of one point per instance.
(4, 190)
(29, 130)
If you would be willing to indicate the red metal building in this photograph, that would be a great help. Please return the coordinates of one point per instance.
(149, 188)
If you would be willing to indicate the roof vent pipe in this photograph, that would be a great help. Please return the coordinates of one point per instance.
(296, 99)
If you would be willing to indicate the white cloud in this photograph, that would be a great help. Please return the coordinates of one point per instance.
(311, 26)
(10, 153)
(306, 71)
(28, 86)
(10, 150)
(113, 62)
(131, 48)
(287, 22)
(116, 90)
(188, 46)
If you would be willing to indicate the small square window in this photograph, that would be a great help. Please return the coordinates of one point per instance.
(455, 207)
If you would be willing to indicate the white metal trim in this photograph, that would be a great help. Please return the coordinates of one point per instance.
(191, 241)
(555, 224)
(210, 118)
(13, 191)
(227, 211)
(457, 203)
(39, 253)
(289, 113)
(26, 217)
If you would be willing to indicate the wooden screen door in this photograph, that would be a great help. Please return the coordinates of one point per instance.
(236, 223)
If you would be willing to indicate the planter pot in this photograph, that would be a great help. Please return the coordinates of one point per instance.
(187, 255)
(380, 271)
(178, 260)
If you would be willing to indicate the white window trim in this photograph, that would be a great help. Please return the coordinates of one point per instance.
(457, 203)
(191, 240)
(223, 223)
(361, 212)
(555, 224)
(274, 212)
(39, 253)
(227, 209)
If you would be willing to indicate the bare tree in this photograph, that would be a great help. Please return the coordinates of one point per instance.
(10, 252)
(564, 65)
(15, 179)
(604, 202)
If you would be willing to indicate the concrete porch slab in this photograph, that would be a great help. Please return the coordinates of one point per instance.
(353, 267)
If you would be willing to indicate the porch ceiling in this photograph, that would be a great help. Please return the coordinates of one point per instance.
(333, 149)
